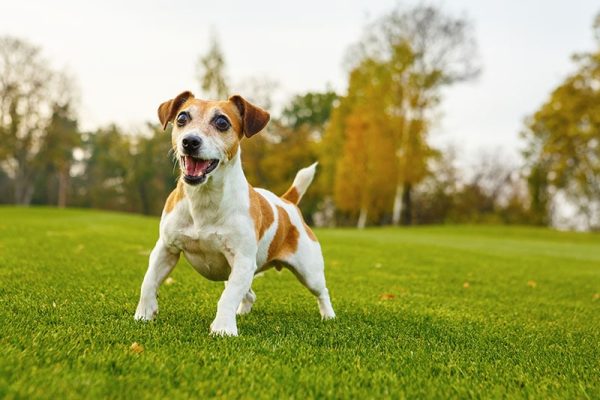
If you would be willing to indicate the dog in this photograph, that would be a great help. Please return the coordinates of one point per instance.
(228, 230)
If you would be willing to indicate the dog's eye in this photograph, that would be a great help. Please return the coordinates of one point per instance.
(222, 123)
(183, 118)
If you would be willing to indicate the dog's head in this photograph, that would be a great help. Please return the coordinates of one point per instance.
(207, 134)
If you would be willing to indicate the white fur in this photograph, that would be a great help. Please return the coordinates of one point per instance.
(304, 178)
(213, 229)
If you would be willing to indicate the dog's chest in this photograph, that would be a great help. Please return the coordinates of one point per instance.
(206, 250)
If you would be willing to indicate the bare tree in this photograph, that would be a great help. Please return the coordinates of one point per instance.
(27, 102)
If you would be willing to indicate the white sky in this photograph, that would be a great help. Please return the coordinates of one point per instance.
(128, 56)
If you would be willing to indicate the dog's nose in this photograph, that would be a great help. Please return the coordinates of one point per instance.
(191, 143)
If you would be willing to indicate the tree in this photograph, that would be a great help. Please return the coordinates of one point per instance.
(563, 142)
(211, 72)
(154, 173)
(104, 181)
(62, 137)
(28, 96)
(425, 50)
(366, 163)
(311, 109)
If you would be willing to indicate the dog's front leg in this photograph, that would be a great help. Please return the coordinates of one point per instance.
(240, 281)
(162, 262)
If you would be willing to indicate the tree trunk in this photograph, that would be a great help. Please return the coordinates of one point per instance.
(23, 193)
(23, 189)
(407, 204)
(63, 187)
(362, 218)
(397, 205)
(144, 199)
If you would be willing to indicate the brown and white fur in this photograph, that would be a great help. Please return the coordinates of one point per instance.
(228, 230)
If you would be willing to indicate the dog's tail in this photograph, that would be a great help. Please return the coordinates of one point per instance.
(301, 182)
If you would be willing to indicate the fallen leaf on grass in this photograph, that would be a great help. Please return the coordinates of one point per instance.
(387, 296)
(169, 281)
(466, 285)
(596, 296)
(531, 284)
(136, 347)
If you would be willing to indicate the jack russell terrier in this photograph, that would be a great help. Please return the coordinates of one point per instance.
(228, 230)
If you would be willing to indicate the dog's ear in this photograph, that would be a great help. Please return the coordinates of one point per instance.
(168, 109)
(254, 118)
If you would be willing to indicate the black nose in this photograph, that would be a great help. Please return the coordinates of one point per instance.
(191, 143)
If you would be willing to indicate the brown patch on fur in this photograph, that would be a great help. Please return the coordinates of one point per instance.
(291, 195)
(309, 231)
(168, 109)
(175, 197)
(260, 212)
(285, 241)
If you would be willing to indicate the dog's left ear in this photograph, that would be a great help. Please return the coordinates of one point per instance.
(254, 118)
(168, 109)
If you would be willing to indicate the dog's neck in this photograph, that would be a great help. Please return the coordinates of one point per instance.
(219, 195)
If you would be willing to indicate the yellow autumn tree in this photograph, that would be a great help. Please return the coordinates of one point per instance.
(365, 171)
(424, 50)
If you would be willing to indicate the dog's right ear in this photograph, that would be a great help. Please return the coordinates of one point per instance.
(168, 109)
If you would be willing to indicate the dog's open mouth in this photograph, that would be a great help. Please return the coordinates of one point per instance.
(196, 170)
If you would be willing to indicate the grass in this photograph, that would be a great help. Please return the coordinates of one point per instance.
(436, 312)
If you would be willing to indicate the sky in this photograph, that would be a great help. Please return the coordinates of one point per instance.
(129, 56)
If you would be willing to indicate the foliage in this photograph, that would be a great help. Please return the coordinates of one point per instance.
(367, 163)
(211, 72)
(30, 92)
(120, 172)
(311, 109)
(563, 143)
(422, 49)
(62, 137)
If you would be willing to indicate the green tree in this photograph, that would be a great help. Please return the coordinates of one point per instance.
(62, 137)
(563, 141)
(211, 72)
(103, 181)
(311, 109)
(154, 171)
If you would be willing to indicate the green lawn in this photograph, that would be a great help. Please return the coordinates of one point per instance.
(422, 312)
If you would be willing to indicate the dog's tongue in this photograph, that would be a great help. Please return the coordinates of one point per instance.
(195, 167)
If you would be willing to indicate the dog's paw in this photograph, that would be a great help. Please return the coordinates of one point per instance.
(327, 314)
(327, 317)
(223, 328)
(146, 310)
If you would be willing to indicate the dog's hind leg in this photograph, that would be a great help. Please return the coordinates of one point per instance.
(162, 262)
(247, 302)
(309, 268)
